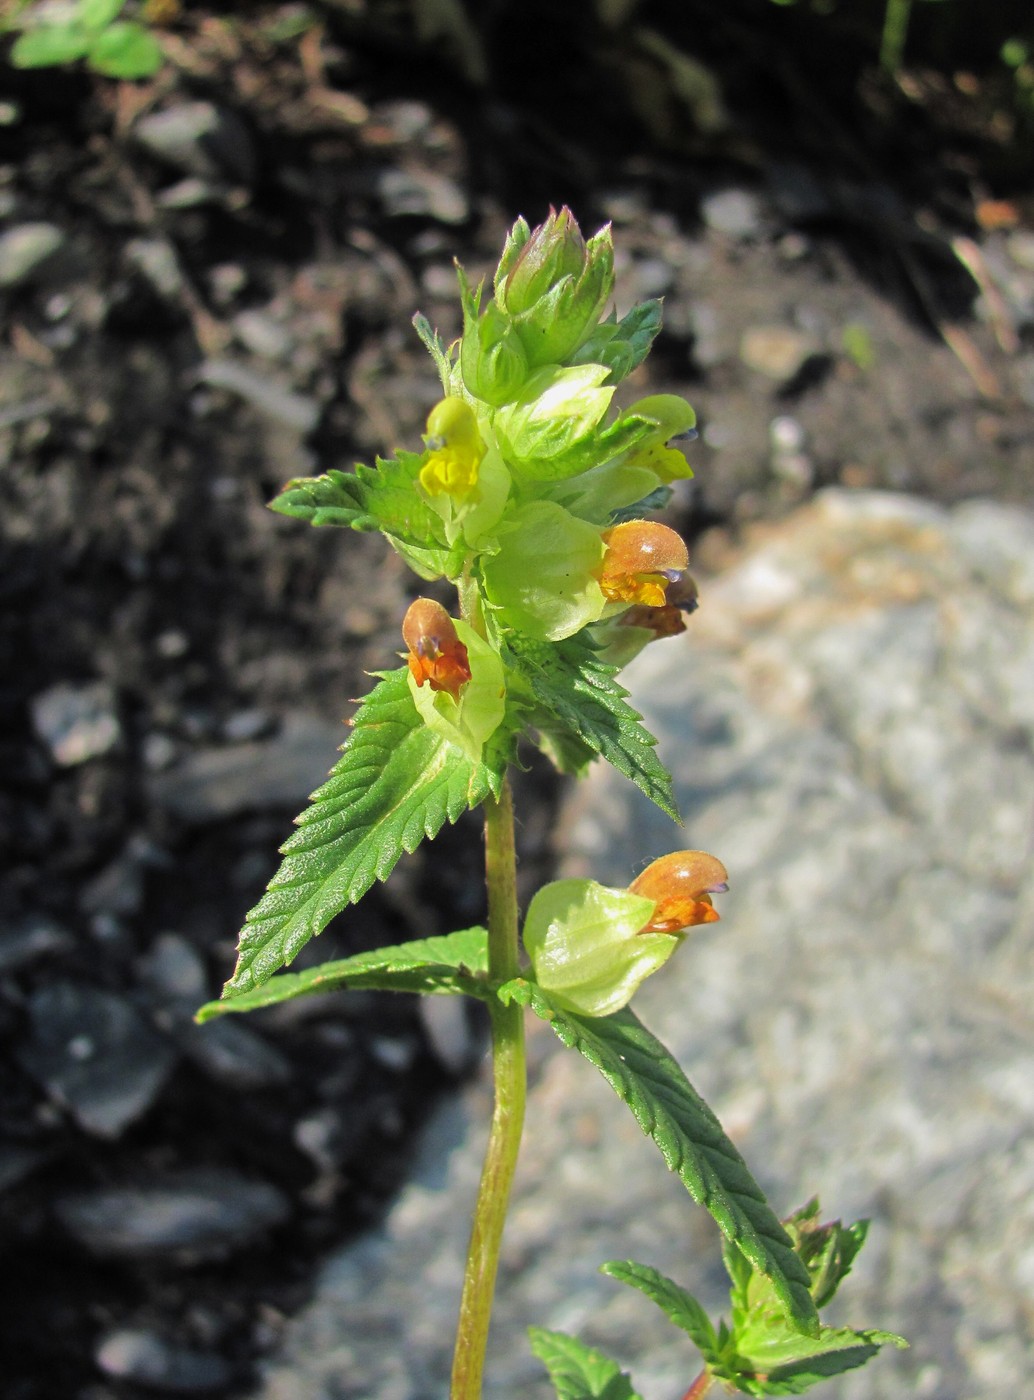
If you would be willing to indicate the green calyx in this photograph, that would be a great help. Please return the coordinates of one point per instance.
(586, 948)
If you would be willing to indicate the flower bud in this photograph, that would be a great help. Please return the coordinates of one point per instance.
(642, 559)
(681, 886)
(454, 450)
(436, 657)
(553, 285)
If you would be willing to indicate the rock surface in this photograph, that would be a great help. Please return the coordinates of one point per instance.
(849, 722)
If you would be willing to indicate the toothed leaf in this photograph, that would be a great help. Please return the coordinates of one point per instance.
(578, 1372)
(395, 783)
(691, 1140)
(427, 965)
(568, 680)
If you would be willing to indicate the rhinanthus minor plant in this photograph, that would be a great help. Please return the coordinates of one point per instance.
(531, 496)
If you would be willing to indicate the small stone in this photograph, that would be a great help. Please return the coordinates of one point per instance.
(156, 261)
(145, 1358)
(77, 722)
(31, 938)
(199, 139)
(393, 1053)
(734, 212)
(234, 1055)
(448, 1029)
(247, 725)
(159, 752)
(407, 192)
(295, 411)
(786, 435)
(174, 972)
(25, 251)
(204, 1214)
(214, 783)
(96, 1055)
(263, 336)
(778, 352)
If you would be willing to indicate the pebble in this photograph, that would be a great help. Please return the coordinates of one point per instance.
(206, 1213)
(777, 352)
(199, 139)
(295, 411)
(96, 1055)
(262, 335)
(76, 721)
(422, 193)
(143, 1357)
(29, 939)
(156, 261)
(25, 251)
(734, 212)
(212, 784)
(448, 1027)
(234, 1055)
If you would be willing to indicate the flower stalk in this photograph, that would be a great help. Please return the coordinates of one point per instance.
(509, 1082)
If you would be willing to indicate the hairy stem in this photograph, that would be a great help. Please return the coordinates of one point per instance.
(509, 1075)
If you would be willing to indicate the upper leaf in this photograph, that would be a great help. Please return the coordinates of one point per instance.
(385, 498)
(570, 681)
(395, 783)
(453, 963)
(622, 345)
(670, 1111)
(678, 1305)
(577, 1371)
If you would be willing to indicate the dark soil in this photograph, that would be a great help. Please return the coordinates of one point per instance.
(236, 311)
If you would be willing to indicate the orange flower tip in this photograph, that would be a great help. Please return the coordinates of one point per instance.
(642, 560)
(436, 656)
(681, 886)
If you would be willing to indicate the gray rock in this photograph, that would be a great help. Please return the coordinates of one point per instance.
(842, 722)
(133, 1354)
(156, 261)
(31, 938)
(234, 1055)
(199, 139)
(262, 335)
(96, 1055)
(202, 1214)
(26, 250)
(295, 411)
(777, 352)
(77, 722)
(215, 783)
(423, 192)
(734, 212)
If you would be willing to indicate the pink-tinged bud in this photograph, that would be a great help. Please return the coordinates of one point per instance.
(436, 657)
(681, 886)
(642, 559)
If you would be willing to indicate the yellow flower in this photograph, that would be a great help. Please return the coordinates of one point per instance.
(454, 450)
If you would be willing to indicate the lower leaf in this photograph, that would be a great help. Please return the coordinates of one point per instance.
(579, 1372)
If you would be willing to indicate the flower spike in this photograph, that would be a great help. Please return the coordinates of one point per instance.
(436, 657)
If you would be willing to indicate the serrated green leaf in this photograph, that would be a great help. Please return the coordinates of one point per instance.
(50, 44)
(385, 498)
(622, 345)
(579, 1372)
(670, 1112)
(125, 50)
(833, 1352)
(395, 783)
(453, 963)
(676, 1304)
(569, 680)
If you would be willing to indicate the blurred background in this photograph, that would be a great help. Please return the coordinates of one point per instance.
(207, 277)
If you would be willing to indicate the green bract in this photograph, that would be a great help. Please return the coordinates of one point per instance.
(557, 411)
(541, 580)
(472, 719)
(585, 946)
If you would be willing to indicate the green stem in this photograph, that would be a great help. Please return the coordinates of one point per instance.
(895, 32)
(504, 1138)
